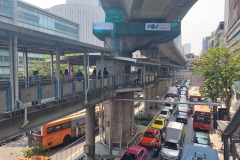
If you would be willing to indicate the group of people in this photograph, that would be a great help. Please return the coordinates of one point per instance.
(105, 73)
(68, 76)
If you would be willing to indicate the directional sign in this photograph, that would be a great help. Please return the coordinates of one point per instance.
(157, 26)
(103, 26)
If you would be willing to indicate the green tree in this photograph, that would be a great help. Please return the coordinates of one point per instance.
(44, 67)
(220, 67)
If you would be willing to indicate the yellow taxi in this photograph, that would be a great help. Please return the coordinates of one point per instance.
(159, 123)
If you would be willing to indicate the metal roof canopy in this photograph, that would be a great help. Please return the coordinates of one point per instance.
(76, 60)
(179, 102)
(33, 41)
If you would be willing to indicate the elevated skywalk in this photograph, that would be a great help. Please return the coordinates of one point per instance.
(50, 108)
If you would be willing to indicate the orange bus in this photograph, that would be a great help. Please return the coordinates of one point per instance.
(194, 94)
(61, 131)
(202, 117)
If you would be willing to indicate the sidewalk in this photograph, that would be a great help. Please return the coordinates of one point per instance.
(217, 144)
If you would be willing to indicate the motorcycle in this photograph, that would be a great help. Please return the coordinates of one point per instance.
(156, 151)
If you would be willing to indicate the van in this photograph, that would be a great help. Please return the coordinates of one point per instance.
(172, 147)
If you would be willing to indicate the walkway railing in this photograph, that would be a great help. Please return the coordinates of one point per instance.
(137, 137)
(32, 93)
(70, 152)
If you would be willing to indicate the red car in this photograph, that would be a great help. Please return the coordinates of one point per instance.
(151, 138)
(135, 153)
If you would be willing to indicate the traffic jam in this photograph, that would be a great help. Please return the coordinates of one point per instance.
(164, 139)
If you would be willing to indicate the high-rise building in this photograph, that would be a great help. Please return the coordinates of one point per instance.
(85, 13)
(232, 24)
(205, 44)
(187, 48)
(25, 15)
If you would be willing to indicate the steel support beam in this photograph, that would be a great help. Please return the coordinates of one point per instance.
(58, 77)
(11, 73)
(102, 67)
(16, 83)
(179, 102)
(25, 65)
(226, 147)
(52, 74)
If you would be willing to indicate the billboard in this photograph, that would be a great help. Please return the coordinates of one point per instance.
(157, 26)
(103, 26)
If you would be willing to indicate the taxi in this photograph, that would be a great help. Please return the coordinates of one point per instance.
(159, 123)
(151, 138)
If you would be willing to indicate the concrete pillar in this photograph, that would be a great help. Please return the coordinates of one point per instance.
(146, 96)
(108, 105)
(90, 132)
(120, 116)
(59, 83)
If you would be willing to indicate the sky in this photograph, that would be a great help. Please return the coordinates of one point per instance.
(201, 20)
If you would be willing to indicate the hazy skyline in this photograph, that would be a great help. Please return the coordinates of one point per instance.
(202, 19)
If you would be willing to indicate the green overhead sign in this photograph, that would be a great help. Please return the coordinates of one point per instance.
(114, 16)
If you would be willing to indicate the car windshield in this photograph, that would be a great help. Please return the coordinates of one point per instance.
(149, 134)
(202, 140)
(171, 145)
(202, 119)
(158, 122)
(164, 112)
(182, 113)
(129, 156)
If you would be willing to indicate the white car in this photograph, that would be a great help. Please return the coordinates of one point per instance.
(169, 105)
(182, 97)
(183, 107)
(165, 113)
(201, 139)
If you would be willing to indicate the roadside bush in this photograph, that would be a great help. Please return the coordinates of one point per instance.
(143, 119)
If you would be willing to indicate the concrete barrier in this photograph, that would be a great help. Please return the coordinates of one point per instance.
(3, 101)
(78, 86)
(48, 91)
(67, 89)
(30, 94)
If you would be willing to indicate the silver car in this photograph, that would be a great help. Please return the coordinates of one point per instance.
(202, 139)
